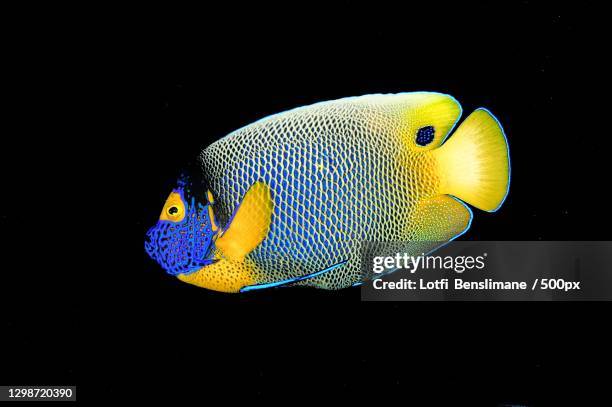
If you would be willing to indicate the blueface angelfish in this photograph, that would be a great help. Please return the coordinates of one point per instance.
(290, 198)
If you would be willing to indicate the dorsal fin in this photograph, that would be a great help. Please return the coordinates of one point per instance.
(425, 118)
(250, 223)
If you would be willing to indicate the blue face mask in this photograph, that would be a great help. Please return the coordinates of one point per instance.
(182, 240)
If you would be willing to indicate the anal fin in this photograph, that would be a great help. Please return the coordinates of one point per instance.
(439, 219)
(292, 280)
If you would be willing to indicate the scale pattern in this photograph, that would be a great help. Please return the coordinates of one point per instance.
(340, 173)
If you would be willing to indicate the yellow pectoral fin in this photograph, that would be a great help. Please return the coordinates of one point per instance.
(227, 276)
(249, 225)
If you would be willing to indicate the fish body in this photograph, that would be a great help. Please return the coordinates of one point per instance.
(315, 183)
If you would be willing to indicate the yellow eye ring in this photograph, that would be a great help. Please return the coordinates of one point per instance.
(174, 209)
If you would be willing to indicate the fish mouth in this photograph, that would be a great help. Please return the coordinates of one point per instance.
(149, 244)
(149, 247)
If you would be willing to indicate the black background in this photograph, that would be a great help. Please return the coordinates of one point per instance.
(129, 330)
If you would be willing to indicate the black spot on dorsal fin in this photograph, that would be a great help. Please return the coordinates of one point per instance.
(425, 135)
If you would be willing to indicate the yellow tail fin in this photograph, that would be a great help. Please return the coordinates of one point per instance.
(474, 163)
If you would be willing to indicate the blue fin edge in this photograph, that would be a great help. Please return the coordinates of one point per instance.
(291, 280)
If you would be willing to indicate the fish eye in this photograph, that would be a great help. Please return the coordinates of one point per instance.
(173, 210)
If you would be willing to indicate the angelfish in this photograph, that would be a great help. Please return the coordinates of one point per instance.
(289, 199)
